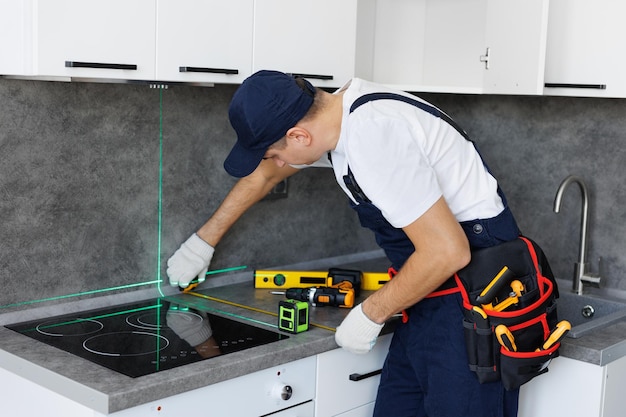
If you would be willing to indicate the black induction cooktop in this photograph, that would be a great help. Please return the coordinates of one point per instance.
(146, 337)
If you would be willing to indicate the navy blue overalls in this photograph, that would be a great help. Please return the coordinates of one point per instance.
(426, 372)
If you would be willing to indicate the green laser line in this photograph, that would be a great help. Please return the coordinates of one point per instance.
(203, 307)
(159, 280)
(219, 271)
(160, 204)
(60, 297)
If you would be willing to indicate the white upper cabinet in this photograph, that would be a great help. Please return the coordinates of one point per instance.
(429, 45)
(14, 37)
(462, 46)
(516, 37)
(586, 54)
(328, 41)
(94, 39)
(204, 40)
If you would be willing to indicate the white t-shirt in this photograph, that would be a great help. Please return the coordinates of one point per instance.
(404, 159)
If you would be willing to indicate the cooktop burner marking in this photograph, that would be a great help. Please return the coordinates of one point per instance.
(149, 321)
(126, 343)
(72, 327)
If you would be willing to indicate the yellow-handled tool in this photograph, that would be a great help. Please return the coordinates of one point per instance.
(556, 335)
(517, 287)
(505, 337)
(499, 282)
(480, 317)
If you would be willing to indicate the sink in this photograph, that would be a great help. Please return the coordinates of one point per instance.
(588, 312)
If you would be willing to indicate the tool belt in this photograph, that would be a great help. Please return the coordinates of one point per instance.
(509, 302)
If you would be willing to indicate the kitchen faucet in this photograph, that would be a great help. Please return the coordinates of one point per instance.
(580, 272)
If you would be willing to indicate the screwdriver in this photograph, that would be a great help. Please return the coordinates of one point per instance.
(556, 335)
(505, 337)
(321, 296)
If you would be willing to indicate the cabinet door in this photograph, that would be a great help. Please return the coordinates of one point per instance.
(429, 45)
(95, 38)
(441, 45)
(516, 37)
(571, 388)
(314, 38)
(346, 381)
(585, 53)
(204, 40)
(613, 405)
(366, 410)
(14, 39)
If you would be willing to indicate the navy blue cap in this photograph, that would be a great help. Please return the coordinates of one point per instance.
(263, 109)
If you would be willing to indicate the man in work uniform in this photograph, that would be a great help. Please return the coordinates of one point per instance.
(414, 179)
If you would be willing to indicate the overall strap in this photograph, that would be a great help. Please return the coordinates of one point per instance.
(419, 104)
(367, 98)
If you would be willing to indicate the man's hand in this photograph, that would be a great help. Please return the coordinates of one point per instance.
(357, 333)
(191, 260)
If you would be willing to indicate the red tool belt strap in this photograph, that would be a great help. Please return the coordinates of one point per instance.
(447, 288)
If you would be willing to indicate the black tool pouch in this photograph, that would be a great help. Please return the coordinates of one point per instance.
(529, 320)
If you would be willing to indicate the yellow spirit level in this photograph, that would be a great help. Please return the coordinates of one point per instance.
(293, 316)
(283, 279)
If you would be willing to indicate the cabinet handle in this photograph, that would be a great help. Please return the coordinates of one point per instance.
(566, 85)
(208, 70)
(360, 377)
(78, 64)
(313, 76)
(485, 58)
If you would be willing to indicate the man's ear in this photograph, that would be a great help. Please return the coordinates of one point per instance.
(299, 135)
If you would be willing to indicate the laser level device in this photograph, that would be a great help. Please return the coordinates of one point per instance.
(293, 316)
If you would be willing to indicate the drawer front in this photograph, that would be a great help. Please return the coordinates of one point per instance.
(346, 381)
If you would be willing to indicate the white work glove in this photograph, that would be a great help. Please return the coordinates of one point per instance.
(357, 333)
(191, 260)
(191, 326)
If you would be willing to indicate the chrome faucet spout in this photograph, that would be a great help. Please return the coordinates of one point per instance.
(580, 273)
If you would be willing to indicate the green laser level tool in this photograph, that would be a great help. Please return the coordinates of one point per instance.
(293, 316)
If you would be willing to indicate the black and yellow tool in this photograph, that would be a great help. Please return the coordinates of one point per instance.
(556, 335)
(513, 299)
(497, 284)
(293, 316)
(322, 296)
(281, 279)
(517, 287)
(480, 318)
(505, 338)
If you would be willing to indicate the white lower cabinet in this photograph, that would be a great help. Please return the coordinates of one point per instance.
(302, 410)
(576, 389)
(286, 390)
(347, 383)
(363, 411)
